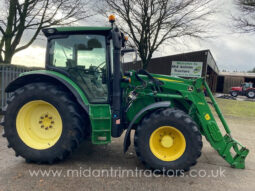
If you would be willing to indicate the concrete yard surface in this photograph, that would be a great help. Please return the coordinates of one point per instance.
(105, 167)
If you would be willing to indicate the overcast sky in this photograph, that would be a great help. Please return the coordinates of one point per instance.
(231, 51)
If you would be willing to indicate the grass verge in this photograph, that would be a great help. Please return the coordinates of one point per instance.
(236, 108)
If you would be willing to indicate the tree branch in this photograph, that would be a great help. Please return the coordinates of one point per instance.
(150, 23)
(34, 15)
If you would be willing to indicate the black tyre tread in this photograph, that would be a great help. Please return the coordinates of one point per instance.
(169, 113)
(78, 133)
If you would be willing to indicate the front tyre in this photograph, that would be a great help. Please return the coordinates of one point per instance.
(168, 141)
(42, 123)
(251, 94)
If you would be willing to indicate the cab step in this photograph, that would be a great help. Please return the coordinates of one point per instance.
(100, 118)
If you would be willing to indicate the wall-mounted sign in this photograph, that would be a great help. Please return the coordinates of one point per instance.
(186, 69)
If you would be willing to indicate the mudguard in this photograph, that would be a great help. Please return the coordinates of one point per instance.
(51, 77)
(157, 105)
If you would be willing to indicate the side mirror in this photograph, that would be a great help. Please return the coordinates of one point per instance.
(131, 50)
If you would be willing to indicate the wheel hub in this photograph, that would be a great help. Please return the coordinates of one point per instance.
(167, 141)
(46, 121)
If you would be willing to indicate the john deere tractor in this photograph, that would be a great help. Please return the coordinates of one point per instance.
(84, 94)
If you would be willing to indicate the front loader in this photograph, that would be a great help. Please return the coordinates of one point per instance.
(83, 94)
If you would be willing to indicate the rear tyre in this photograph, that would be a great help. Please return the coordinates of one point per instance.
(42, 123)
(168, 141)
(234, 93)
(251, 94)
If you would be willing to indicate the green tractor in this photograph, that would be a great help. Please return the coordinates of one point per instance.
(83, 94)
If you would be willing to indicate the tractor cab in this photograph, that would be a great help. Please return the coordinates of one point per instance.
(246, 85)
(86, 55)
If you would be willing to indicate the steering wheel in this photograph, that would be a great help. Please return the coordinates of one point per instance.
(99, 65)
(94, 69)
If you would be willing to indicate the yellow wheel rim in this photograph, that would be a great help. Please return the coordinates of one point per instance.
(167, 143)
(39, 124)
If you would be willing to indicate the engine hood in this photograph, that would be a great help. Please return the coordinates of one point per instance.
(236, 88)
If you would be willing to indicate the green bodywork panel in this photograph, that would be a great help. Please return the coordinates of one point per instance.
(84, 28)
(68, 80)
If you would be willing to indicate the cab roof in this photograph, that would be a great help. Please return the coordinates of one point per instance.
(78, 29)
(82, 28)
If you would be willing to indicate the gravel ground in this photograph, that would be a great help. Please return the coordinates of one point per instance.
(87, 163)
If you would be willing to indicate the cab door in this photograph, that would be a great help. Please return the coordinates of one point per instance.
(84, 58)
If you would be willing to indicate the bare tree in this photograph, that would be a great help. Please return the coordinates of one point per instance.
(31, 16)
(150, 23)
(245, 22)
(252, 71)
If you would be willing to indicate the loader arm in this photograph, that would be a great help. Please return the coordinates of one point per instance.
(222, 144)
(201, 112)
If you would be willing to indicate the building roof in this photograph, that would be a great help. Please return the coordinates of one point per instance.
(240, 74)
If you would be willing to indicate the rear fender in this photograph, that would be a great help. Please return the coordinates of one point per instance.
(54, 78)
